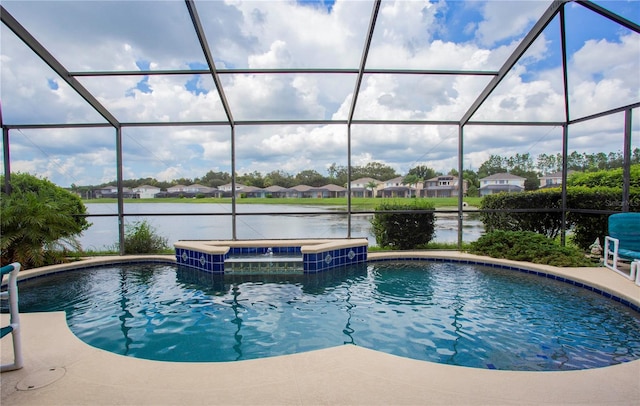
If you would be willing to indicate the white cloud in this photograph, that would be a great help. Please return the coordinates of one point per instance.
(504, 20)
(282, 34)
(605, 71)
(171, 173)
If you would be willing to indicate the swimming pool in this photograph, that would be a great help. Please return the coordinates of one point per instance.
(457, 314)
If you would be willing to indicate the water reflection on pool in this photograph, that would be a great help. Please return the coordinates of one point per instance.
(468, 315)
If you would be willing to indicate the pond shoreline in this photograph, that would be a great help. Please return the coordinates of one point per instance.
(359, 202)
(187, 221)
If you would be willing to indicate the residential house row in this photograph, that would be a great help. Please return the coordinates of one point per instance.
(439, 186)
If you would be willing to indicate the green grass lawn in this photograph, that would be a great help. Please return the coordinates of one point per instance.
(359, 203)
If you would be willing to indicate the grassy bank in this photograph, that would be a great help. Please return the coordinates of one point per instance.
(356, 203)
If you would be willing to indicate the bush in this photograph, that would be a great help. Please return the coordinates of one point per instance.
(141, 238)
(39, 222)
(599, 190)
(403, 230)
(586, 227)
(528, 246)
(549, 224)
(606, 178)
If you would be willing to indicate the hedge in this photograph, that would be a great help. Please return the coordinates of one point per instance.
(586, 227)
(404, 230)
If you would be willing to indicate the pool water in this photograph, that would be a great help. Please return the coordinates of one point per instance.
(467, 315)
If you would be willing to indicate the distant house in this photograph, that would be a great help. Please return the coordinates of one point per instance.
(443, 186)
(252, 191)
(176, 189)
(112, 192)
(331, 190)
(226, 189)
(193, 190)
(300, 191)
(106, 191)
(146, 191)
(395, 188)
(552, 180)
(276, 191)
(501, 182)
(326, 191)
(198, 189)
(360, 187)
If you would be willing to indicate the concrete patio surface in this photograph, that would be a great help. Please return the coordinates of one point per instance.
(62, 370)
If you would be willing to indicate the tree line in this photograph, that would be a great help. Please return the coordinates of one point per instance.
(519, 164)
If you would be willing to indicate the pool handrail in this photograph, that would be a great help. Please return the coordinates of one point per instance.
(11, 294)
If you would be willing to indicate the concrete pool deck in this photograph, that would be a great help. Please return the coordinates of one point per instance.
(62, 370)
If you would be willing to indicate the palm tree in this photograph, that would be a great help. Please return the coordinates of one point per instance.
(39, 222)
(411, 179)
(372, 185)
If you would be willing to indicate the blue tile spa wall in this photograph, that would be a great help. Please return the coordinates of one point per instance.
(200, 260)
(315, 262)
(322, 261)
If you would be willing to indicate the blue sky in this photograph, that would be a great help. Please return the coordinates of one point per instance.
(603, 65)
(325, 4)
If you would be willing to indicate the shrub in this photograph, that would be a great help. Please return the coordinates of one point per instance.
(39, 222)
(606, 178)
(403, 230)
(586, 227)
(528, 246)
(141, 238)
(600, 190)
(549, 224)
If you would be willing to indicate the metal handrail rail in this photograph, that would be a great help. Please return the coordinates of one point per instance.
(11, 294)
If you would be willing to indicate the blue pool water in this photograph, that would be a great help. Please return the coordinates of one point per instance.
(449, 313)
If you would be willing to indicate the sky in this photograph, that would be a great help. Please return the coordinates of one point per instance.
(603, 73)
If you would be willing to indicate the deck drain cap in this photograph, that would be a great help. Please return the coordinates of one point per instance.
(41, 378)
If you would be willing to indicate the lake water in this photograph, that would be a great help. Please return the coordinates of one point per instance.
(211, 221)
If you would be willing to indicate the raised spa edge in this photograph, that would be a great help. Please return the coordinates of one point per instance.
(316, 255)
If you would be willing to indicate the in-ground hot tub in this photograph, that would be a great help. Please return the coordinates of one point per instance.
(260, 256)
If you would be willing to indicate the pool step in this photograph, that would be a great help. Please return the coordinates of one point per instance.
(264, 264)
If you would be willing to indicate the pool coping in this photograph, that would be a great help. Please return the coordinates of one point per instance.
(340, 375)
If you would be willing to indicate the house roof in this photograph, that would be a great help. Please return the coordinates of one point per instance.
(333, 188)
(110, 188)
(228, 185)
(557, 174)
(398, 179)
(275, 188)
(301, 188)
(442, 177)
(503, 176)
(364, 181)
(252, 189)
